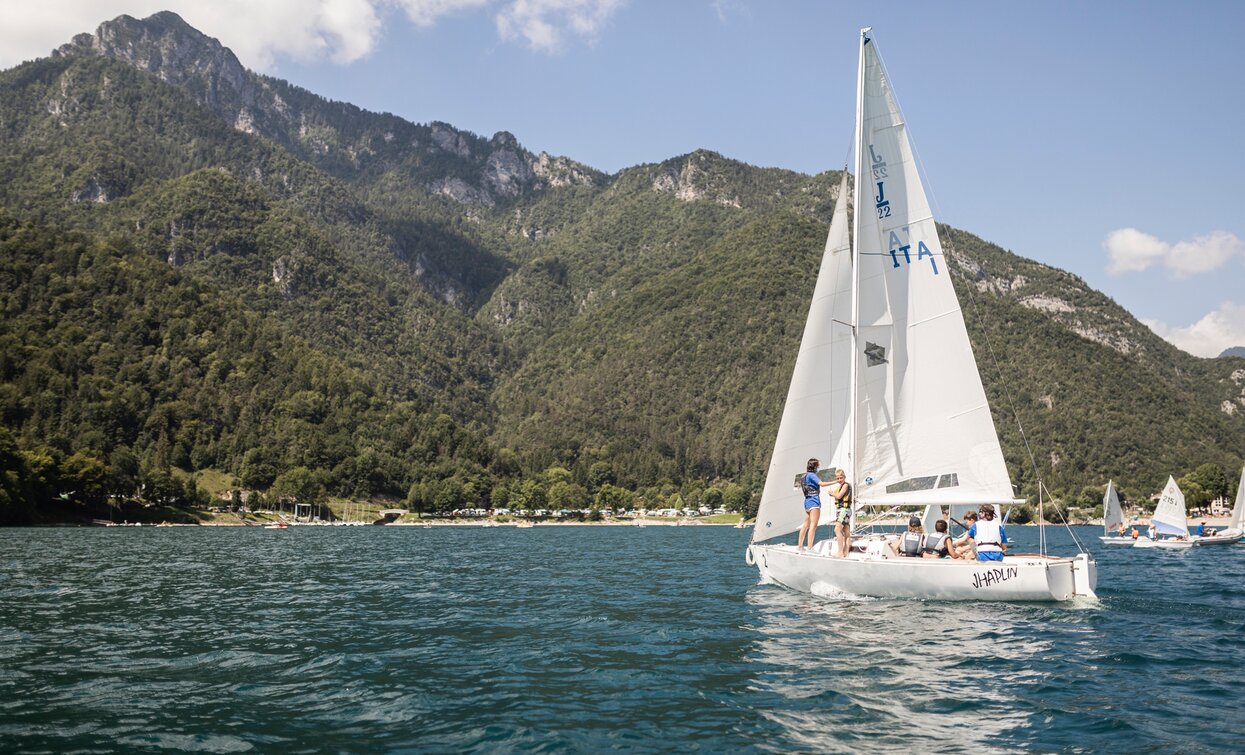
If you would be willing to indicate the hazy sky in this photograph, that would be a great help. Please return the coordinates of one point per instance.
(1100, 137)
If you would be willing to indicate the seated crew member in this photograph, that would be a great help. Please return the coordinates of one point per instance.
(963, 545)
(909, 543)
(988, 535)
(937, 544)
(1135, 533)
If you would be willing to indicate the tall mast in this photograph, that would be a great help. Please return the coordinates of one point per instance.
(855, 252)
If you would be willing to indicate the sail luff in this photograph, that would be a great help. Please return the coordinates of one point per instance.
(857, 209)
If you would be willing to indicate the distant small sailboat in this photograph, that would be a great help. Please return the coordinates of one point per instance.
(1169, 519)
(1113, 518)
(1236, 525)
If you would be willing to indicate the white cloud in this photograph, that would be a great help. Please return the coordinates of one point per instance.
(1209, 336)
(427, 12)
(1130, 250)
(543, 22)
(262, 32)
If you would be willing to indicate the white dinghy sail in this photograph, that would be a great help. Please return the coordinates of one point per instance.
(886, 383)
(1112, 518)
(1169, 519)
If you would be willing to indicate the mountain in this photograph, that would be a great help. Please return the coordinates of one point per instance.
(1235, 351)
(636, 329)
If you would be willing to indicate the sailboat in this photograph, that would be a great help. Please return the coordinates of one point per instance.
(1113, 518)
(1236, 525)
(1169, 519)
(885, 379)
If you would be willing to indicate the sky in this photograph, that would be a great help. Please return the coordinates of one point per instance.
(1103, 138)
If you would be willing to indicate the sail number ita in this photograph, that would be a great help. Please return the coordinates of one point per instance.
(895, 245)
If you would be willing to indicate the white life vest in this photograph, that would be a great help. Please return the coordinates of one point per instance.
(989, 537)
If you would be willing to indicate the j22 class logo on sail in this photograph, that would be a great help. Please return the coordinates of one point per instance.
(880, 202)
(895, 245)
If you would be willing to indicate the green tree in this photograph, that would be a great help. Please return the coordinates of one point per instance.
(301, 484)
(600, 473)
(1210, 477)
(567, 495)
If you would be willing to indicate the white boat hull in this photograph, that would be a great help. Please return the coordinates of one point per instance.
(1171, 545)
(1116, 540)
(1016, 578)
(1227, 537)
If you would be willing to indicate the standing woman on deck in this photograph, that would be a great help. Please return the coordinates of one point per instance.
(811, 484)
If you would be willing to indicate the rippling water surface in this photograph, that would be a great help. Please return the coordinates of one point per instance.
(585, 639)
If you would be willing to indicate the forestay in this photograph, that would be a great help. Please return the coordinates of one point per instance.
(924, 432)
(814, 419)
(1169, 516)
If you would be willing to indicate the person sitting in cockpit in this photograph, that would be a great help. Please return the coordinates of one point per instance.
(937, 544)
(909, 543)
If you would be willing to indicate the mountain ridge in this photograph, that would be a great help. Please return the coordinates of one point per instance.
(643, 322)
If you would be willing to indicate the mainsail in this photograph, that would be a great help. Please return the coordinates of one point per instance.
(924, 433)
(815, 418)
(1169, 516)
(1112, 514)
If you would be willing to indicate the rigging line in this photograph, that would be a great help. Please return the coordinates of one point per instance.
(1066, 523)
(994, 358)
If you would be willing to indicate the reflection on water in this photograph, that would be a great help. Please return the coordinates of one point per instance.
(1136, 669)
(584, 639)
(879, 673)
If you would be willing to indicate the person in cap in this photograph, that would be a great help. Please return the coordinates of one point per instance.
(909, 543)
(988, 535)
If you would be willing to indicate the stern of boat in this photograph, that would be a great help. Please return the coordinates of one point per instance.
(1084, 575)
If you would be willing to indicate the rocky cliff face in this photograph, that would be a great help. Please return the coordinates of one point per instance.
(344, 140)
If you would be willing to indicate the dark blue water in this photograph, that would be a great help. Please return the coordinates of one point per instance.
(585, 639)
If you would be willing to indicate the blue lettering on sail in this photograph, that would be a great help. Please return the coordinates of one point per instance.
(879, 165)
(923, 251)
(880, 202)
(898, 247)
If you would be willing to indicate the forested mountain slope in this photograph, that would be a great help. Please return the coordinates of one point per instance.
(642, 324)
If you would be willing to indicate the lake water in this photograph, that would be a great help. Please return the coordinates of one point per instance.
(586, 639)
